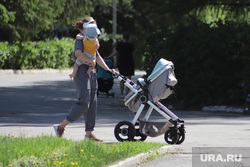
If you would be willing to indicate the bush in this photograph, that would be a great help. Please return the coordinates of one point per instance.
(37, 55)
(211, 61)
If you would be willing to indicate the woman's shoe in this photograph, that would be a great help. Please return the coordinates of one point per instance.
(58, 131)
(93, 137)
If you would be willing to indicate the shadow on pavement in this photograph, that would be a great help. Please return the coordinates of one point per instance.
(47, 102)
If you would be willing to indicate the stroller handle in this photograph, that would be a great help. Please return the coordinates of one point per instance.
(121, 77)
(115, 74)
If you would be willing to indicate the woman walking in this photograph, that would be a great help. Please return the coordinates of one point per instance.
(86, 89)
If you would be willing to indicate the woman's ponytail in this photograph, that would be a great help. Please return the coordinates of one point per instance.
(79, 25)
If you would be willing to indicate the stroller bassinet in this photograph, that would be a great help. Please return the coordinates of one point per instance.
(159, 85)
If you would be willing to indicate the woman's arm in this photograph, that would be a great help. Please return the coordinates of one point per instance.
(102, 63)
(115, 52)
(80, 55)
(80, 36)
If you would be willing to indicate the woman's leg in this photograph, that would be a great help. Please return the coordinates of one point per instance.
(86, 89)
(59, 128)
(82, 105)
(64, 124)
(81, 81)
(90, 115)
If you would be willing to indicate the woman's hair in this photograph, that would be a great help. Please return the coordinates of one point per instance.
(79, 25)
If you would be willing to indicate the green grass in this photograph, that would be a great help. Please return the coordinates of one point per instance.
(52, 151)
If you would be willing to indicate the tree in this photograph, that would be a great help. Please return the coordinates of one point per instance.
(37, 19)
(211, 62)
(151, 14)
(6, 16)
(29, 17)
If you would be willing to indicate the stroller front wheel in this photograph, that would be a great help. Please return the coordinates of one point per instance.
(125, 131)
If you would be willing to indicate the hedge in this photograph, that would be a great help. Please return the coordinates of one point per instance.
(212, 61)
(37, 55)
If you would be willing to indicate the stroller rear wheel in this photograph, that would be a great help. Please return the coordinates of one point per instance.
(138, 135)
(125, 131)
(172, 136)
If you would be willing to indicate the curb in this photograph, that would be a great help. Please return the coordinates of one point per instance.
(49, 71)
(222, 108)
(35, 71)
(134, 161)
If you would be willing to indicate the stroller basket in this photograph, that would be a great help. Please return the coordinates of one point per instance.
(153, 129)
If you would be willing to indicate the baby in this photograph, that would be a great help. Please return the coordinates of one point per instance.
(90, 45)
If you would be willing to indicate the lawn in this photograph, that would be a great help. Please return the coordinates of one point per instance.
(52, 151)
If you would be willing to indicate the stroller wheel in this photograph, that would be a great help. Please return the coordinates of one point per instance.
(172, 136)
(138, 135)
(124, 131)
(181, 135)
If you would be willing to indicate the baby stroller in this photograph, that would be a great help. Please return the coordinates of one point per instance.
(105, 79)
(159, 85)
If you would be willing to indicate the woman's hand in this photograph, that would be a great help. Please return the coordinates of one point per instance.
(113, 70)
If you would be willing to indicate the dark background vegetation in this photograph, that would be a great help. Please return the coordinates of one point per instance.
(207, 40)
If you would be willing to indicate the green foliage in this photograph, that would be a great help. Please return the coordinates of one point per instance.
(30, 17)
(5, 15)
(22, 20)
(37, 55)
(142, 17)
(150, 14)
(53, 151)
(211, 60)
(74, 11)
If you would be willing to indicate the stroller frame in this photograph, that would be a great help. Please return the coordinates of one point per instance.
(128, 131)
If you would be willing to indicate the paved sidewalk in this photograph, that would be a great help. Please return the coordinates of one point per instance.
(32, 102)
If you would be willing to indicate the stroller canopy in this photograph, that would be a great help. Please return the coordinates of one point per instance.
(161, 78)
